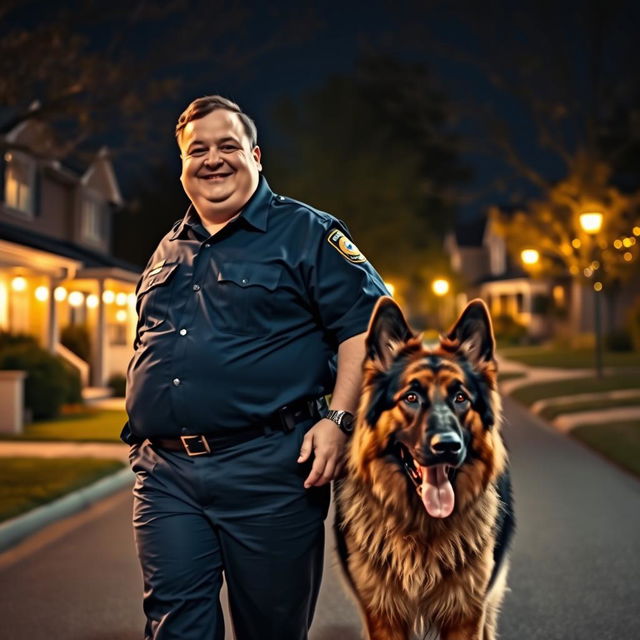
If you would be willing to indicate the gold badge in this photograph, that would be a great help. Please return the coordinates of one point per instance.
(157, 267)
(344, 246)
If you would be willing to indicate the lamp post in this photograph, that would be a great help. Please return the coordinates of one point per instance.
(440, 287)
(591, 223)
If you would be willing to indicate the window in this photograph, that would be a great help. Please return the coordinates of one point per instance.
(92, 220)
(19, 184)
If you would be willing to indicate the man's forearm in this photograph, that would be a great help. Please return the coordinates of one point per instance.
(346, 393)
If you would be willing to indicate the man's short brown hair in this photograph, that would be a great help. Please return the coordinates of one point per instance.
(201, 107)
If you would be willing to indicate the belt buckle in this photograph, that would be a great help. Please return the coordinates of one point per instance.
(201, 440)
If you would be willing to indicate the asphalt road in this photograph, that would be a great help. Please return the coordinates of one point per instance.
(575, 568)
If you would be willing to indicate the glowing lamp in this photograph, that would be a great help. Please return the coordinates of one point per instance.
(121, 315)
(60, 294)
(42, 293)
(76, 298)
(440, 287)
(108, 296)
(19, 283)
(591, 222)
(530, 256)
(92, 301)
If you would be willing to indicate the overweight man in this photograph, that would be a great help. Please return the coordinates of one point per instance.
(252, 309)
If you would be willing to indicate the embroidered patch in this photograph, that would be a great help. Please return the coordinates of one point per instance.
(343, 245)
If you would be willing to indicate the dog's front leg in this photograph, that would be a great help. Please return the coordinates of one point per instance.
(380, 627)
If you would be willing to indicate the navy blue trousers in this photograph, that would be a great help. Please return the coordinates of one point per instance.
(242, 513)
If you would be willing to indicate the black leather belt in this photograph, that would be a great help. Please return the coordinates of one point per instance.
(285, 419)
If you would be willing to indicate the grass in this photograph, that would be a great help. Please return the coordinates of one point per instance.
(510, 375)
(618, 441)
(554, 411)
(26, 483)
(569, 358)
(530, 393)
(90, 425)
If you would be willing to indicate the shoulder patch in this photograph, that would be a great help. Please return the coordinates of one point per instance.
(344, 246)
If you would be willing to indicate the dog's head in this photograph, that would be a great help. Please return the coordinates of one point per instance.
(440, 404)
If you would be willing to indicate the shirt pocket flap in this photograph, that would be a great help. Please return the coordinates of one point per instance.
(156, 277)
(248, 274)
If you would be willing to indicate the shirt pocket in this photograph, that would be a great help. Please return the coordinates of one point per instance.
(154, 296)
(246, 302)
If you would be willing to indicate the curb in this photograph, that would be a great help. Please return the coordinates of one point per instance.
(14, 530)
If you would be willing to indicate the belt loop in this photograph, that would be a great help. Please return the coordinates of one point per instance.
(286, 419)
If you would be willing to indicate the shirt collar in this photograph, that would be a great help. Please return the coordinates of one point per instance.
(254, 213)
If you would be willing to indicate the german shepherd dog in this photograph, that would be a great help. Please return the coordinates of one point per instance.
(424, 513)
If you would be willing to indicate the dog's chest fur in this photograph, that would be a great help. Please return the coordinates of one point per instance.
(410, 565)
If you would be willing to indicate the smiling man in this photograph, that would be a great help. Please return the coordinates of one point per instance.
(252, 308)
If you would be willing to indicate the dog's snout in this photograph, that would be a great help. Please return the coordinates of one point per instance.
(445, 443)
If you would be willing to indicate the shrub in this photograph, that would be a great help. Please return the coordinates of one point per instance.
(49, 381)
(508, 331)
(118, 384)
(76, 338)
(12, 339)
(618, 340)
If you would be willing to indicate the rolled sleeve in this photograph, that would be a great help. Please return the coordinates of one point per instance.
(343, 285)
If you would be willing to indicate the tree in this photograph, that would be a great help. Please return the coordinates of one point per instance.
(376, 150)
(93, 69)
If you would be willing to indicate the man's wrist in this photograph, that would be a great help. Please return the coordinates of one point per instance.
(343, 419)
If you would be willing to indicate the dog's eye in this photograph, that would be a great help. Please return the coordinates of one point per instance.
(460, 398)
(411, 398)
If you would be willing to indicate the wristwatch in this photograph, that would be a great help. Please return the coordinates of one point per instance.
(343, 419)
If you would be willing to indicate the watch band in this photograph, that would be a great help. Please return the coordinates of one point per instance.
(343, 419)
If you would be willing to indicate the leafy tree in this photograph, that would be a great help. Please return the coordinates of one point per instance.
(377, 151)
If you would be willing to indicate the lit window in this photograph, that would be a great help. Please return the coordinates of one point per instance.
(19, 182)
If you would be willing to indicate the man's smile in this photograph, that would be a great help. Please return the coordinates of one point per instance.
(216, 177)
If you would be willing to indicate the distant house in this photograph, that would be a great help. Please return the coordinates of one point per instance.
(546, 307)
(56, 267)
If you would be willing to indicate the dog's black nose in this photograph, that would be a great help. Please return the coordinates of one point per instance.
(448, 442)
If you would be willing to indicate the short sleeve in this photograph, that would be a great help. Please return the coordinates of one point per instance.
(342, 283)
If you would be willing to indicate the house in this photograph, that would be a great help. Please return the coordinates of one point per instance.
(56, 266)
(559, 307)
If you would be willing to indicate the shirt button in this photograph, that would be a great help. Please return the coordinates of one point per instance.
(207, 245)
(244, 281)
(196, 287)
(176, 382)
(183, 332)
(184, 430)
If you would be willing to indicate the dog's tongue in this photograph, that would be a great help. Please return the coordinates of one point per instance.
(437, 493)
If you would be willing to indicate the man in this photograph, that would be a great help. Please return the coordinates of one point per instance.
(242, 308)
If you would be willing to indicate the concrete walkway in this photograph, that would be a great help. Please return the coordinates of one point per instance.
(569, 421)
(107, 450)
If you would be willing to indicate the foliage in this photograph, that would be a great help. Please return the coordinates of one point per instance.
(50, 381)
(76, 338)
(508, 331)
(618, 340)
(377, 151)
(118, 383)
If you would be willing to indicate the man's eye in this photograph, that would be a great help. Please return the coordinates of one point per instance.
(460, 398)
(197, 152)
(228, 147)
(411, 398)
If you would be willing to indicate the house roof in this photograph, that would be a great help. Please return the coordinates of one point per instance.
(89, 258)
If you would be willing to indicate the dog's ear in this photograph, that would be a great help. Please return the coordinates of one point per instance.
(388, 331)
(473, 333)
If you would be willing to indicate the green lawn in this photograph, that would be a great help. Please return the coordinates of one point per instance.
(554, 411)
(26, 483)
(92, 425)
(510, 375)
(568, 358)
(530, 393)
(618, 441)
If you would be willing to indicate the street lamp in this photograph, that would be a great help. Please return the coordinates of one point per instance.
(591, 223)
(530, 256)
(440, 287)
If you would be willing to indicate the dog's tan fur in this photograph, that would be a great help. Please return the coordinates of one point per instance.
(411, 571)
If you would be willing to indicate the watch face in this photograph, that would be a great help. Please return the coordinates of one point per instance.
(346, 424)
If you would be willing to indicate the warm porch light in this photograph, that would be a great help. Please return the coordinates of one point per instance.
(108, 296)
(76, 298)
(131, 298)
(121, 299)
(42, 293)
(530, 256)
(92, 301)
(121, 315)
(440, 287)
(591, 222)
(60, 294)
(19, 283)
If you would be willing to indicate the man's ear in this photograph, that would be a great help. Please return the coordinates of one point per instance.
(474, 333)
(388, 332)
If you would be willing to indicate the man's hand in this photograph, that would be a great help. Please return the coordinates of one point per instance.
(326, 442)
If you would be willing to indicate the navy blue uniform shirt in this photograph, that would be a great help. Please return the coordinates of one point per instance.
(233, 326)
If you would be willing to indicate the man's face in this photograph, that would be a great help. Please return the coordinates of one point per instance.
(220, 170)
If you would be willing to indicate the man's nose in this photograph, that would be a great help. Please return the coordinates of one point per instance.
(213, 156)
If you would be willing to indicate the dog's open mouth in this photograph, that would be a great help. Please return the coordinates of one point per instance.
(436, 491)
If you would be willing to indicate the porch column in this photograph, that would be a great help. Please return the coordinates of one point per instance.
(98, 373)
